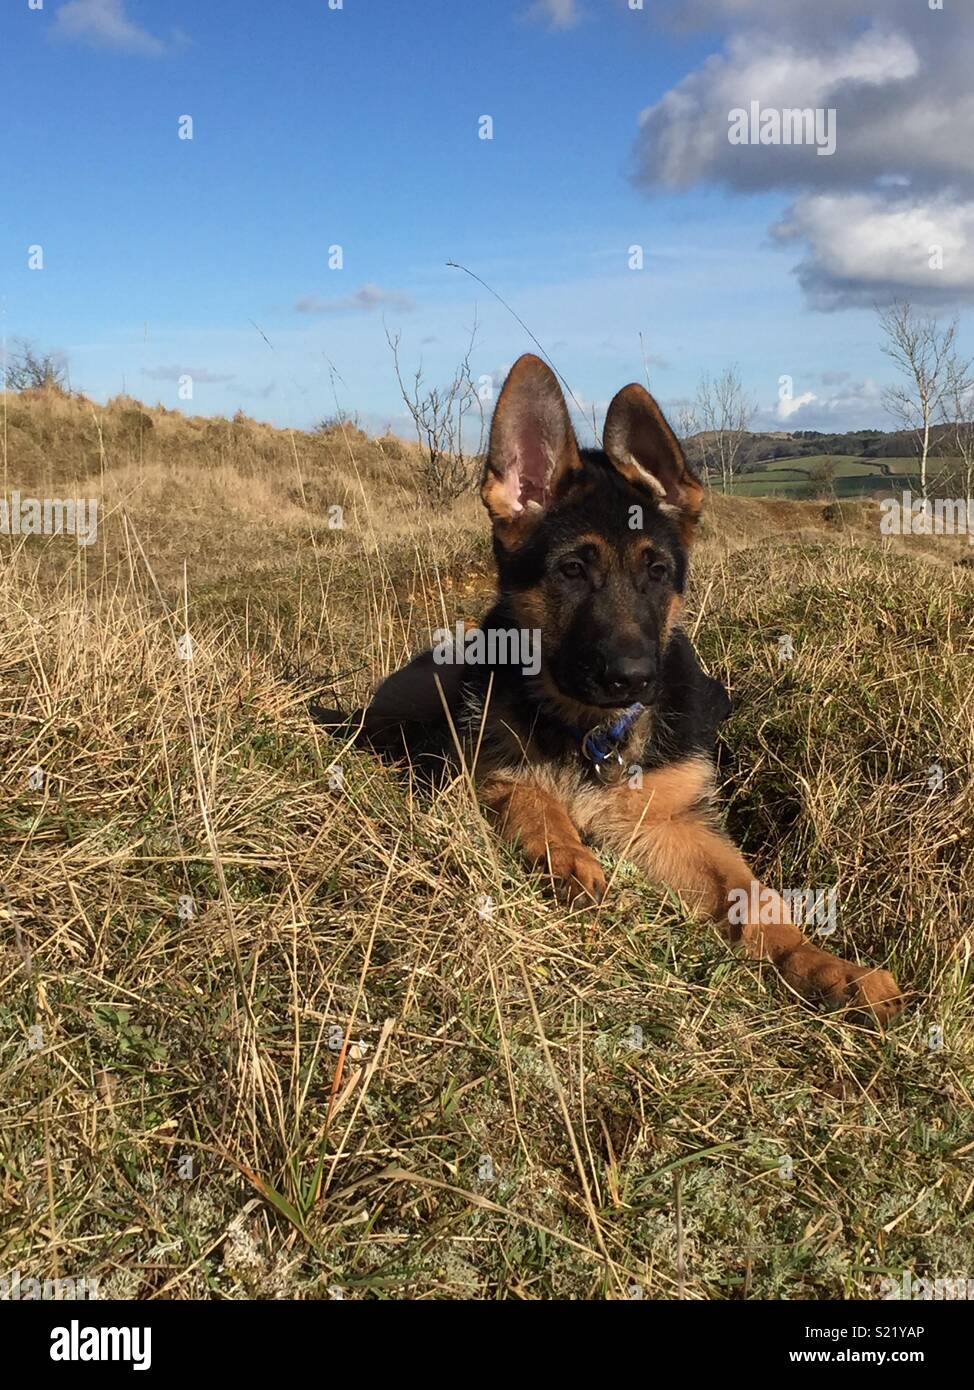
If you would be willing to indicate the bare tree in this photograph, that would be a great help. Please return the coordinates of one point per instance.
(724, 412)
(688, 430)
(821, 477)
(957, 410)
(922, 351)
(26, 368)
(443, 417)
(687, 424)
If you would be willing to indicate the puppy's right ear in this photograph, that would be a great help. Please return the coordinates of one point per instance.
(532, 449)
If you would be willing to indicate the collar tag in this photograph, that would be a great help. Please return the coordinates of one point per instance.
(609, 770)
(601, 746)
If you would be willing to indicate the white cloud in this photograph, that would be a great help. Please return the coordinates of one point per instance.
(788, 16)
(365, 300)
(684, 137)
(105, 24)
(863, 249)
(855, 405)
(557, 14)
(901, 180)
(790, 405)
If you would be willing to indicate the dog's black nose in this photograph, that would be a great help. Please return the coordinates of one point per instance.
(626, 677)
(614, 677)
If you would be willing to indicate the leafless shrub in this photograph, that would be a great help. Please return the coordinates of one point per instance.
(687, 429)
(328, 424)
(822, 474)
(26, 368)
(443, 418)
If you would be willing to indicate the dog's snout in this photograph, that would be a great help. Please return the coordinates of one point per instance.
(618, 676)
(626, 677)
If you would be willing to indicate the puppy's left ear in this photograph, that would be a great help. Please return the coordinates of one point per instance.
(645, 451)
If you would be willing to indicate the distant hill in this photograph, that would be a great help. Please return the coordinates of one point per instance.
(758, 449)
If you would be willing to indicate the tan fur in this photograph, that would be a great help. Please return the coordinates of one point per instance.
(547, 802)
(672, 620)
(668, 828)
(533, 818)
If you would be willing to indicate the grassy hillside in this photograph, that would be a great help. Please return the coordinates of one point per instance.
(831, 475)
(274, 1024)
(869, 445)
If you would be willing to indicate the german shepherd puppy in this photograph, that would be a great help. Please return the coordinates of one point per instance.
(607, 735)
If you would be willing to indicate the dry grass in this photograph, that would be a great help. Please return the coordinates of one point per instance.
(297, 1089)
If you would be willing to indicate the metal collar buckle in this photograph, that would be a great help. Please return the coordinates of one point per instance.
(609, 769)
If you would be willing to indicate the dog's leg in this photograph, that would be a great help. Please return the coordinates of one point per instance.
(536, 821)
(668, 829)
(408, 705)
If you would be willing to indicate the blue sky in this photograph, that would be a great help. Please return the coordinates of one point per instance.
(359, 127)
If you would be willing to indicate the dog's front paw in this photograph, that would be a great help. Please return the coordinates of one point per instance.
(576, 875)
(868, 991)
(864, 990)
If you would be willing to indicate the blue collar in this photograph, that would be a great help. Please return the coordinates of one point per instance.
(601, 744)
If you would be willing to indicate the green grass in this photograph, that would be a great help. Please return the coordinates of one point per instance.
(182, 1125)
(852, 477)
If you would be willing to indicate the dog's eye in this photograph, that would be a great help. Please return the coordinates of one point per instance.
(572, 569)
(658, 570)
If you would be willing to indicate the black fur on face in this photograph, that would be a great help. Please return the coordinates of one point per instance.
(601, 575)
(591, 544)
